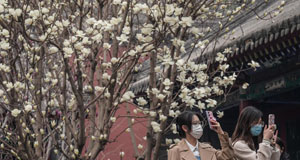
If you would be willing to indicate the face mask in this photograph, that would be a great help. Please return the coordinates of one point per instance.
(197, 131)
(256, 130)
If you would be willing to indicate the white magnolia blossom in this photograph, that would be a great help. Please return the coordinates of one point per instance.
(76, 151)
(146, 111)
(15, 12)
(220, 57)
(211, 103)
(123, 38)
(9, 86)
(184, 93)
(180, 63)
(155, 126)
(227, 50)
(115, 21)
(1, 92)
(177, 43)
(189, 101)
(162, 117)
(5, 33)
(15, 112)
(224, 67)
(152, 113)
(186, 21)
(114, 60)
(199, 92)
(32, 120)
(174, 105)
(28, 108)
(172, 113)
(200, 44)
(71, 147)
(132, 53)
(157, 69)
(171, 20)
(53, 123)
(36, 144)
(122, 154)
(155, 91)
(53, 49)
(245, 85)
(135, 111)
(161, 97)
(217, 90)
(106, 45)
(4, 45)
(147, 29)
(141, 101)
(42, 131)
(167, 82)
(254, 64)
(220, 114)
(174, 128)
(167, 60)
(127, 96)
(140, 146)
(113, 119)
(169, 141)
(140, 7)
(68, 52)
(176, 140)
(201, 105)
(106, 76)
(62, 136)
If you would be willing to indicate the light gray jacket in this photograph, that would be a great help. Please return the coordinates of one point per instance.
(265, 152)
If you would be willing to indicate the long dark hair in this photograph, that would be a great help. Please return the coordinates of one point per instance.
(186, 118)
(284, 155)
(247, 117)
(281, 144)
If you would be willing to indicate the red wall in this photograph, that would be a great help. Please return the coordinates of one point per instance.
(123, 142)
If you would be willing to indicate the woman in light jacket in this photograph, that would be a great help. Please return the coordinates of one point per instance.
(189, 126)
(249, 143)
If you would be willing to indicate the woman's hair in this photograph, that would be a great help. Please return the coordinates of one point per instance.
(284, 155)
(185, 118)
(280, 143)
(247, 117)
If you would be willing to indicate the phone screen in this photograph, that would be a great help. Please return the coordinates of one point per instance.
(271, 119)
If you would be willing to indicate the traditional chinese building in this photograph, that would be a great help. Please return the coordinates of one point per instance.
(275, 86)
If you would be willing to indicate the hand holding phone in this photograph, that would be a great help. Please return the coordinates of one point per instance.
(210, 116)
(213, 124)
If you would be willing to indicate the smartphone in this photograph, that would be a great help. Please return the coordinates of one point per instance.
(210, 116)
(271, 120)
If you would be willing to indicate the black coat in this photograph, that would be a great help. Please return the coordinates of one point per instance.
(285, 156)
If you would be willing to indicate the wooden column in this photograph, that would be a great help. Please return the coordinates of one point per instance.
(243, 104)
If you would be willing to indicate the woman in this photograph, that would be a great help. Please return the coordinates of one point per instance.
(247, 137)
(189, 126)
(281, 146)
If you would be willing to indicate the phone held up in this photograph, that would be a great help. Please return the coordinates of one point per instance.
(210, 116)
(271, 120)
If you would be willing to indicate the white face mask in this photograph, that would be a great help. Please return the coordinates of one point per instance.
(197, 131)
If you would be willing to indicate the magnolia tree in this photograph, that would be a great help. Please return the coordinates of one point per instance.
(66, 67)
